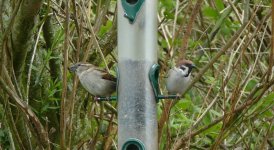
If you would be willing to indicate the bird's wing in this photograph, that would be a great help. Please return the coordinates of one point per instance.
(106, 75)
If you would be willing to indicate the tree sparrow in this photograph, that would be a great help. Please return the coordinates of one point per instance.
(96, 81)
(179, 77)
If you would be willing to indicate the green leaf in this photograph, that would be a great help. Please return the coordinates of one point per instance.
(250, 85)
(263, 104)
(207, 119)
(58, 38)
(210, 12)
(44, 108)
(194, 43)
(213, 112)
(214, 130)
(181, 121)
(185, 105)
(104, 29)
(169, 15)
(164, 44)
(210, 80)
(267, 114)
(219, 5)
(168, 4)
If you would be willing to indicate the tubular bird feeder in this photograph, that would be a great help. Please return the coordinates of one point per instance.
(137, 53)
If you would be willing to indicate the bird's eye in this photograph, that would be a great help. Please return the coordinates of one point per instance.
(183, 67)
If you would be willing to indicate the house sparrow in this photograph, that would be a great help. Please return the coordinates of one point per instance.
(179, 77)
(96, 81)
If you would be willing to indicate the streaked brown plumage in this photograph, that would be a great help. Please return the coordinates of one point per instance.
(96, 81)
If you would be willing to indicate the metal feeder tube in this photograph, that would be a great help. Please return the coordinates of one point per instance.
(137, 52)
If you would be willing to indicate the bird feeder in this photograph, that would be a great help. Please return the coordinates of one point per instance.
(137, 53)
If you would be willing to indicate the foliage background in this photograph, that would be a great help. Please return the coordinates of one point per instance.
(229, 104)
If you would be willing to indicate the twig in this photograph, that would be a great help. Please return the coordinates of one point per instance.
(271, 55)
(250, 100)
(64, 81)
(38, 127)
(96, 41)
(246, 11)
(79, 28)
(228, 45)
(31, 62)
(220, 21)
(195, 11)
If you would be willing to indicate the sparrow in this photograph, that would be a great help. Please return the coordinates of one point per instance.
(179, 77)
(96, 81)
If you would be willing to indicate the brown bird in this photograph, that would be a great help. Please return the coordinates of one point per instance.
(96, 81)
(179, 77)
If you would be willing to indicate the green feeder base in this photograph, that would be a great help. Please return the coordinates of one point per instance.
(133, 144)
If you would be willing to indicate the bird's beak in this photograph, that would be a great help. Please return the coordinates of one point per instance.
(193, 66)
(72, 68)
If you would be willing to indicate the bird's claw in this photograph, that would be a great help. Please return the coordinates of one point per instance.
(107, 98)
(95, 98)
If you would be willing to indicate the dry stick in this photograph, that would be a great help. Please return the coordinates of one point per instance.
(229, 44)
(96, 42)
(219, 22)
(38, 127)
(75, 81)
(231, 118)
(235, 11)
(164, 34)
(242, 136)
(189, 28)
(200, 117)
(31, 62)
(246, 11)
(269, 142)
(251, 70)
(250, 40)
(108, 138)
(205, 111)
(11, 122)
(271, 57)
(224, 84)
(95, 138)
(175, 20)
(249, 102)
(5, 36)
(29, 71)
(64, 82)
(268, 133)
(174, 33)
(105, 119)
(219, 54)
(79, 28)
(1, 19)
(171, 48)
(110, 141)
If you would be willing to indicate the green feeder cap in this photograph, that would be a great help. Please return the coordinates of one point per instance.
(131, 8)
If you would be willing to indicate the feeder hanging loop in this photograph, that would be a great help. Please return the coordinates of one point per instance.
(154, 80)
